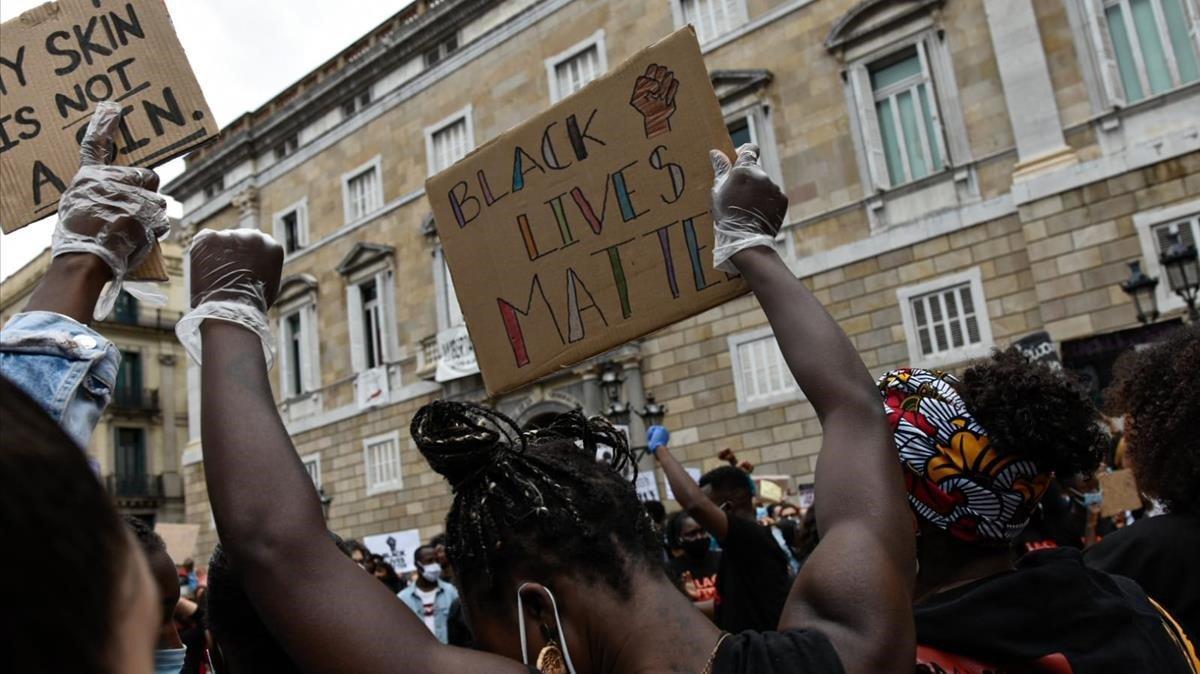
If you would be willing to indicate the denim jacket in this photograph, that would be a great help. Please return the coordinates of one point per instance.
(446, 594)
(64, 365)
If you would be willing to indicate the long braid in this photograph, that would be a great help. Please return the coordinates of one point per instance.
(512, 489)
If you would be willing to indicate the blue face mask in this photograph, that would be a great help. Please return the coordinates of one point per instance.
(169, 660)
(1089, 499)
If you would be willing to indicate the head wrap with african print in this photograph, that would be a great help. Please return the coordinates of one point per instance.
(957, 479)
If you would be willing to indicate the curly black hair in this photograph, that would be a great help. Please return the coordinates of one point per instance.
(150, 541)
(1036, 411)
(535, 502)
(1155, 389)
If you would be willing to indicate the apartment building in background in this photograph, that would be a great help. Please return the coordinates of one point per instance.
(962, 174)
(138, 441)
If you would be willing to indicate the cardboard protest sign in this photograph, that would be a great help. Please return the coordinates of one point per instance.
(180, 539)
(57, 62)
(588, 225)
(398, 548)
(1120, 492)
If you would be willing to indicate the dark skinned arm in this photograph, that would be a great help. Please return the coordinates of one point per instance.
(856, 587)
(269, 518)
(71, 286)
(691, 497)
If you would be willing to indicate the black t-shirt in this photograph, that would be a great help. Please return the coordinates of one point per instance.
(752, 580)
(791, 652)
(704, 573)
(1052, 614)
(1162, 554)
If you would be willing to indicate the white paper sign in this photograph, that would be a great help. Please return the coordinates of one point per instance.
(456, 354)
(371, 388)
(647, 486)
(693, 472)
(397, 547)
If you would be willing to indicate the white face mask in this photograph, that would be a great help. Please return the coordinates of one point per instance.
(557, 621)
(432, 573)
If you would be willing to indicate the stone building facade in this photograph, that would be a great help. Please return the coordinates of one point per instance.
(962, 174)
(139, 439)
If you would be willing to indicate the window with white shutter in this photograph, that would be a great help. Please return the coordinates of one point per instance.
(946, 320)
(291, 227)
(760, 375)
(312, 466)
(712, 18)
(571, 70)
(449, 140)
(299, 358)
(362, 191)
(1144, 48)
(381, 459)
(370, 303)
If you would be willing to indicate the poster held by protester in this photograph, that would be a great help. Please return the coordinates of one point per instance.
(1039, 348)
(588, 225)
(57, 61)
(1120, 492)
(398, 548)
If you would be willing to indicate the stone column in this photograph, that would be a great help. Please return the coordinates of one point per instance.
(1028, 92)
(246, 202)
(166, 399)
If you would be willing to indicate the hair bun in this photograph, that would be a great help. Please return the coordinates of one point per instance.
(458, 441)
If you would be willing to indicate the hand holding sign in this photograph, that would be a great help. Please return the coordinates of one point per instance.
(748, 207)
(234, 278)
(654, 97)
(112, 212)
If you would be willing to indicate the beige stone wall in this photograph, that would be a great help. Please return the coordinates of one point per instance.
(1081, 242)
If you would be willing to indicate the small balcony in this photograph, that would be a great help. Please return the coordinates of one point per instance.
(142, 487)
(130, 399)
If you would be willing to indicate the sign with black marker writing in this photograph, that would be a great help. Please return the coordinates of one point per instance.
(57, 62)
(588, 225)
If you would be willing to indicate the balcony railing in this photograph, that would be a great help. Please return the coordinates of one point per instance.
(144, 399)
(146, 317)
(145, 486)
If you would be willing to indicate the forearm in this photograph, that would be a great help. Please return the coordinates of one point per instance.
(262, 498)
(820, 356)
(71, 286)
(687, 492)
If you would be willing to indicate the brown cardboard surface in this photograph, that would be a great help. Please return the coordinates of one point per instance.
(588, 225)
(179, 538)
(1120, 492)
(56, 62)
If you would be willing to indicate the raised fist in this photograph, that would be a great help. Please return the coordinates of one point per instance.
(748, 208)
(112, 212)
(654, 97)
(239, 265)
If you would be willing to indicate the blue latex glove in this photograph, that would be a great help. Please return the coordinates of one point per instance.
(657, 436)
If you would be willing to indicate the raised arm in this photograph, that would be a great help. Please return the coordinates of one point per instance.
(689, 495)
(856, 587)
(267, 512)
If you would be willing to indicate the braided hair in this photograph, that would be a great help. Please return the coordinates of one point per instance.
(535, 502)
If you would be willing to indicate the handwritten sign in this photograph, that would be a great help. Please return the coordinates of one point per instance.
(1120, 492)
(1039, 348)
(588, 225)
(397, 548)
(57, 62)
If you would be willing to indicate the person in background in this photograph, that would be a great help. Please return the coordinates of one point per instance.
(1156, 390)
(170, 652)
(242, 644)
(383, 570)
(430, 597)
(439, 544)
(752, 579)
(554, 554)
(359, 552)
(188, 581)
(658, 515)
(695, 569)
(788, 511)
(978, 454)
(807, 536)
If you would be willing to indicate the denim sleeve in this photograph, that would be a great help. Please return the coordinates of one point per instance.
(64, 365)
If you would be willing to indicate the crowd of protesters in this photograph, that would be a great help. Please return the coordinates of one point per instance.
(954, 526)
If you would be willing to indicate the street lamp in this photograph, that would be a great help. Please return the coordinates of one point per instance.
(1179, 260)
(326, 501)
(1142, 289)
(653, 412)
(611, 382)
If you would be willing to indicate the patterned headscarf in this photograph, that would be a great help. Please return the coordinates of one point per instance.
(957, 480)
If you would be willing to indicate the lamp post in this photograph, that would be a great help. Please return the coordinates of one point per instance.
(1179, 261)
(1141, 289)
(326, 501)
(611, 382)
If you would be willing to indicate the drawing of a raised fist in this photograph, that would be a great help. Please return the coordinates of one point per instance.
(654, 97)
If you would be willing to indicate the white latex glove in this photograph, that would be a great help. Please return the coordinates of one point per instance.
(234, 277)
(748, 208)
(112, 212)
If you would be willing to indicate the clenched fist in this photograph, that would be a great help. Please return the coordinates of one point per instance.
(234, 277)
(240, 265)
(748, 208)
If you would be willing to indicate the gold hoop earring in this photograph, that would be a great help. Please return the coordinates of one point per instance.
(550, 659)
